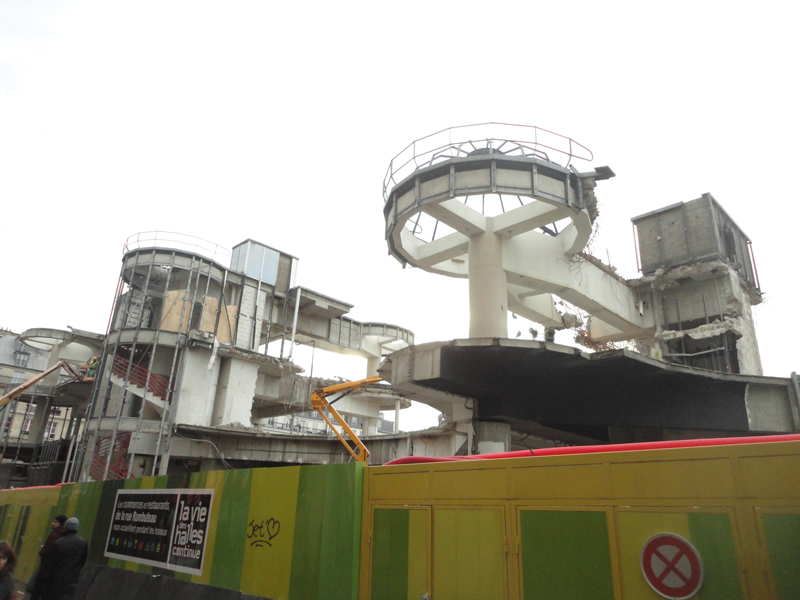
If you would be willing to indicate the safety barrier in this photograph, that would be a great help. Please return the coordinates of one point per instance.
(714, 522)
(290, 532)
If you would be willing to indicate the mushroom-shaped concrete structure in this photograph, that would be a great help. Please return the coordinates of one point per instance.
(504, 206)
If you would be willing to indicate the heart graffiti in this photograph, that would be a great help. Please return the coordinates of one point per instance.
(260, 533)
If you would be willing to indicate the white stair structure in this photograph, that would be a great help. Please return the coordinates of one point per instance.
(154, 394)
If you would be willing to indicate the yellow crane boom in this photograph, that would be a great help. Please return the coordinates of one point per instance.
(319, 402)
(20, 389)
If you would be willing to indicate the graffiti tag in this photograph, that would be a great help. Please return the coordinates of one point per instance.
(261, 532)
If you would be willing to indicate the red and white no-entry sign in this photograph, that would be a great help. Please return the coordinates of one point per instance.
(672, 566)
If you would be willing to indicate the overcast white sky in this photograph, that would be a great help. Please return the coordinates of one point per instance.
(276, 121)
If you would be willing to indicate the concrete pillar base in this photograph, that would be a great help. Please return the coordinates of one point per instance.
(488, 294)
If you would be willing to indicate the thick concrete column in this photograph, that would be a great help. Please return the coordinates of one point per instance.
(52, 360)
(235, 390)
(492, 437)
(373, 362)
(370, 426)
(39, 420)
(198, 386)
(397, 416)
(488, 296)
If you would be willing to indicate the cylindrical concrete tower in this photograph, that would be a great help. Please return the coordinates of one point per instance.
(174, 306)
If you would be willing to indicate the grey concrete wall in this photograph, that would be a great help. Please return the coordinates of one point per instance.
(284, 273)
(251, 314)
(769, 409)
(689, 297)
(688, 232)
(197, 387)
(692, 231)
(233, 397)
(747, 345)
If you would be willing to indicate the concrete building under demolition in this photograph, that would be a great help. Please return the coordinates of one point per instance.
(196, 369)
(42, 423)
(507, 208)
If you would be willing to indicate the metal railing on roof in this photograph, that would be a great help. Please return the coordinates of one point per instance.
(502, 138)
(175, 241)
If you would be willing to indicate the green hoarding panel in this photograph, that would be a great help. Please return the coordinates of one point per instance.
(783, 544)
(390, 554)
(565, 555)
(713, 539)
(226, 570)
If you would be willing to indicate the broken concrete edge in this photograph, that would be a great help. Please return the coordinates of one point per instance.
(237, 429)
(560, 348)
(703, 268)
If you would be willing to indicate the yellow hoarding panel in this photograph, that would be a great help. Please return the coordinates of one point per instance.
(468, 554)
(267, 563)
(673, 479)
(568, 481)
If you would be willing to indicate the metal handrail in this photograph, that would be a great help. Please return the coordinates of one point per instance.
(429, 150)
(117, 470)
(158, 385)
(174, 240)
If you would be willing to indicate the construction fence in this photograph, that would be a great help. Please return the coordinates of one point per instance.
(714, 523)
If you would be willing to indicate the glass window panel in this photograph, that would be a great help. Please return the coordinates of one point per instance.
(255, 254)
(269, 271)
(235, 259)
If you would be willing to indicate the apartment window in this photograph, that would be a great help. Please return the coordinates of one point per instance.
(18, 377)
(21, 358)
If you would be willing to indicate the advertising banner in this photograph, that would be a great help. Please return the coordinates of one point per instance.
(161, 528)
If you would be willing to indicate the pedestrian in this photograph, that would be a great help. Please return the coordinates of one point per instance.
(62, 564)
(8, 560)
(57, 527)
(58, 530)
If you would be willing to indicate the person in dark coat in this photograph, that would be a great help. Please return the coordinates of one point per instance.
(62, 564)
(8, 560)
(58, 530)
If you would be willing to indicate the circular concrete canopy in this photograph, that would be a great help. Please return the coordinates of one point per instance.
(46, 339)
(439, 193)
(500, 209)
